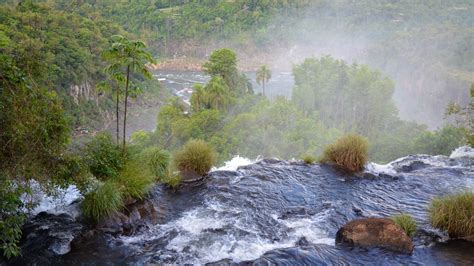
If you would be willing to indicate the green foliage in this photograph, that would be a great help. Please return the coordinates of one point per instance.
(454, 214)
(34, 130)
(263, 75)
(347, 97)
(442, 141)
(157, 159)
(406, 222)
(349, 153)
(135, 180)
(125, 58)
(11, 216)
(53, 48)
(309, 159)
(140, 139)
(103, 201)
(104, 157)
(196, 156)
(72, 169)
(222, 67)
(464, 117)
(171, 179)
(222, 62)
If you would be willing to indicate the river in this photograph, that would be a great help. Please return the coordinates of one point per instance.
(268, 212)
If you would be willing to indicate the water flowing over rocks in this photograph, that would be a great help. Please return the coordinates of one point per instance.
(374, 232)
(271, 212)
(135, 216)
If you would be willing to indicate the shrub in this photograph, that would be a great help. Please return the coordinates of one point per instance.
(71, 169)
(12, 216)
(196, 156)
(103, 157)
(135, 180)
(171, 179)
(158, 161)
(309, 159)
(349, 153)
(406, 222)
(103, 201)
(454, 214)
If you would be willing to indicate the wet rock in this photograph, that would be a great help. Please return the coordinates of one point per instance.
(113, 224)
(374, 232)
(430, 236)
(190, 176)
(302, 242)
(223, 262)
(50, 233)
(134, 217)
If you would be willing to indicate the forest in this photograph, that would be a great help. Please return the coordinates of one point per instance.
(75, 74)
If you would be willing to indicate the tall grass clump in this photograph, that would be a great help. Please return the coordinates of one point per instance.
(135, 180)
(309, 159)
(349, 153)
(102, 201)
(172, 178)
(157, 160)
(454, 214)
(103, 156)
(406, 222)
(195, 156)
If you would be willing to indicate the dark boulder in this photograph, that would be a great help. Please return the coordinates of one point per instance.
(374, 232)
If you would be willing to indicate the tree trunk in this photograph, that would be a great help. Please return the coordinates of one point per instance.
(263, 85)
(117, 115)
(125, 111)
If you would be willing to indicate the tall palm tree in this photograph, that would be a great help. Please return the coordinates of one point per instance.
(197, 98)
(131, 57)
(263, 75)
(112, 84)
(217, 93)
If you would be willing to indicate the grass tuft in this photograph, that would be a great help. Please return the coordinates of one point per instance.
(196, 156)
(172, 179)
(309, 159)
(349, 153)
(103, 201)
(454, 214)
(158, 160)
(135, 180)
(406, 222)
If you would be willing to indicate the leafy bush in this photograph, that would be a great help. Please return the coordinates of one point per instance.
(103, 157)
(196, 156)
(71, 169)
(103, 201)
(349, 153)
(454, 214)
(309, 159)
(11, 217)
(406, 222)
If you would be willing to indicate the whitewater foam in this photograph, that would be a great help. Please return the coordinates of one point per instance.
(235, 163)
(462, 152)
(58, 203)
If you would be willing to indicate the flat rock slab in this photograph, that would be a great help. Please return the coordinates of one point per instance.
(374, 232)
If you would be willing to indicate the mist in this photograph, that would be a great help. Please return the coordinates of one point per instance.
(425, 56)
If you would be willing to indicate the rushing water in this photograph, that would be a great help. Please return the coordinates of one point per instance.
(282, 212)
(180, 83)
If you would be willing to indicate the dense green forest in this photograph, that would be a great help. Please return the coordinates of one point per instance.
(330, 98)
(425, 46)
(71, 64)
